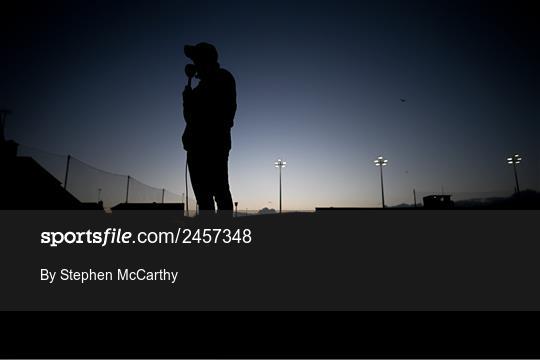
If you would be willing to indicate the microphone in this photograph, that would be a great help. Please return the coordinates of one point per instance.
(190, 70)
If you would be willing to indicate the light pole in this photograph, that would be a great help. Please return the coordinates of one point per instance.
(381, 162)
(514, 160)
(280, 164)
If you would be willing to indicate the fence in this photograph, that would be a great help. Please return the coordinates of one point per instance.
(90, 184)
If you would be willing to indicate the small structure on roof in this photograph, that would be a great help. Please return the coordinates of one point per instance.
(438, 202)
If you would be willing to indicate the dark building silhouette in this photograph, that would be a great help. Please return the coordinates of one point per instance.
(24, 184)
(438, 202)
(92, 206)
(27, 185)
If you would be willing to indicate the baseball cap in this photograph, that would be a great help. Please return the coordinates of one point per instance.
(202, 52)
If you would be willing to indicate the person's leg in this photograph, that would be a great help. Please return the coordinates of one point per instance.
(198, 172)
(222, 192)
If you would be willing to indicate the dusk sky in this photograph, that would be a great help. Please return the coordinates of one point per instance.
(319, 85)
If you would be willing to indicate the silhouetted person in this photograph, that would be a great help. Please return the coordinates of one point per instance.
(209, 111)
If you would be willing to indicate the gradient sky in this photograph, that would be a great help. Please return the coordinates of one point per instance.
(319, 84)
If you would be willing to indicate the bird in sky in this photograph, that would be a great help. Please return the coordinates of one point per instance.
(403, 100)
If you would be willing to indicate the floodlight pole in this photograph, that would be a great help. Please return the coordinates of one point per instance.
(382, 187)
(515, 176)
(280, 189)
(380, 162)
(514, 160)
(280, 164)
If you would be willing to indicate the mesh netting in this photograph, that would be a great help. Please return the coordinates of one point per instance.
(142, 193)
(90, 184)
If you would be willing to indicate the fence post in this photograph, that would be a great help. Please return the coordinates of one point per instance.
(127, 189)
(163, 196)
(67, 171)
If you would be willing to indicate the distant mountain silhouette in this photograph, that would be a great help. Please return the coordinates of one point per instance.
(266, 211)
(527, 199)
